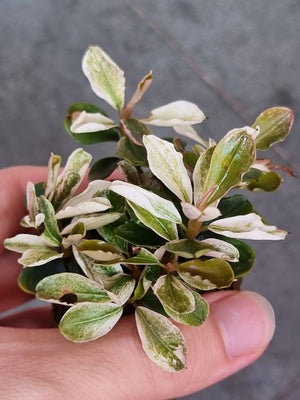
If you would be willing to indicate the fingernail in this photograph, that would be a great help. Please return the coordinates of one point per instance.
(246, 322)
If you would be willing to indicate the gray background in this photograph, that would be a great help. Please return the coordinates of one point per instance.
(233, 58)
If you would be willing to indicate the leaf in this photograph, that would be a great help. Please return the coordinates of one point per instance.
(246, 258)
(161, 340)
(193, 213)
(222, 249)
(89, 321)
(172, 293)
(189, 131)
(38, 256)
(177, 113)
(260, 180)
(249, 226)
(53, 171)
(206, 275)
(129, 172)
(103, 168)
(51, 233)
(31, 276)
(69, 288)
(196, 317)
(139, 235)
(132, 153)
(144, 257)
(90, 122)
(92, 221)
(109, 235)
(94, 205)
(105, 77)
(275, 124)
(135, 130)
(101, 252)
(119, 288)
(23, 241)
(200, 173)
(93, 189)
(141, 89)
(236, 204)
(151, 202)
(162, 227)
(111, 134)
(167, 165)
(232, 157)
(188, 248)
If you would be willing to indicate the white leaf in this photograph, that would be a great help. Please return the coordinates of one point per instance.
(94, 205)
(93, 188)
(91, 122)
(151, 202)
(105, 77)
(167, 165)
(179, 112)
(249, 226)
(190, 211)
(92, 221)
(189, 131)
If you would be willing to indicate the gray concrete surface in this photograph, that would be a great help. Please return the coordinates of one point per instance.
(233, 58)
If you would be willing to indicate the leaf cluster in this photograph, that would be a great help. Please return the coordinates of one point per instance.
(156, 240)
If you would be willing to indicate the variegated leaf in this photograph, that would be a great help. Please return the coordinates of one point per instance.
(91, 122)
(69, 288)
(23, 241)
(51, 232)
(188, 248)
(89, 321)
(53, 171)
(90, 192)
(119, 287)
(200, 173)
(174, 294)
(162, 341)
(189, 131)
(97, 204)
(92, 221)
(144, 257)
(151, 202)
(101, 252)
(105, 77)
(167, 165)
(249, 226)
(38, 256)
(222, 249)
(177, 113)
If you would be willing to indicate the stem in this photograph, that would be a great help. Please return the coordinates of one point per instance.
(194, 228)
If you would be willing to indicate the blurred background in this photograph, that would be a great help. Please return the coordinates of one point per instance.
(232, 58)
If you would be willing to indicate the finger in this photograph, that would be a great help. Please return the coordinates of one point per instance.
(12, 201)
(238, 330)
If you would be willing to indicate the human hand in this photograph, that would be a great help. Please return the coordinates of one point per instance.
(36, 362)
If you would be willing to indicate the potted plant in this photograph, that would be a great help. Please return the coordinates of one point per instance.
(156, 235)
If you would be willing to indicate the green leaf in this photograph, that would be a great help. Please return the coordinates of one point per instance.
(144, 257)
(89, 321)
(108, 233)
(162, 227)
(31, 276)
(172, 293)
(188, 248)
(111, 134)
(105, 77)
(275, 124)
(131, 153)
(119, 287)
(161, 340)
(38, 256)
(196, 317)
(246, 258)
(236, 204)
(261, 180)
(51, 233)
(232, 157)
(207, 275)
(139, 235)
(149, 274)
(103, 168)
(167, 165)
(69, 288)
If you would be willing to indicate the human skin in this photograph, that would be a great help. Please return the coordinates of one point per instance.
(36, 362)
